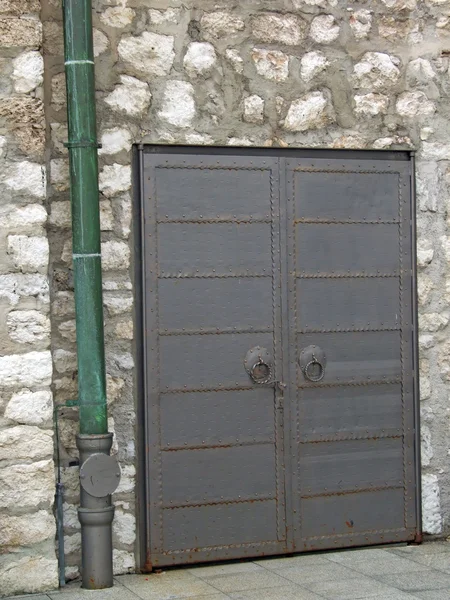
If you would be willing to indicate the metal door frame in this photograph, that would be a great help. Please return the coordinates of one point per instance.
(143, 559)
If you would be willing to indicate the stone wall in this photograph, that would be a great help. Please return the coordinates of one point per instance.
(27, 482)
(289, 73)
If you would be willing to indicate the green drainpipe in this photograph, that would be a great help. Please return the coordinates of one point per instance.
(99, 473)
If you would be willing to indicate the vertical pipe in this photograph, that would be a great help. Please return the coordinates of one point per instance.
(96, 511)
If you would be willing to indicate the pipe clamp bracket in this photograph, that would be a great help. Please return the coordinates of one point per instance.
(100, 475)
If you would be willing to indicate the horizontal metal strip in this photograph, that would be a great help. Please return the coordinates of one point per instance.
(202, 167)
(218, 503)
(208, 390)
(356, 533)
(355, 491)
(361, 275)
(212, 331)
(212, 221)
(350, 383)
(211, 275)
(346, 221)
(341, 171)
(369, 435)
(275, 543)
(350, 330)
(217, 446)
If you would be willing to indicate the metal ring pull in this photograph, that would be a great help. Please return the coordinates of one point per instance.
(261, 372)
(309, 376)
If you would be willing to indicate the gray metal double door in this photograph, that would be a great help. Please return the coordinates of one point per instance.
(280, 361)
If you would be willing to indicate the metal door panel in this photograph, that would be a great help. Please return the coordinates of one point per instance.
(208, 361)
(355, 356)
(352, 250)
(235, 525)
(350, 466)
(325, 195)
(215, 304)
(358, 412)
(220, 249)
(218, 418)
(348, 303)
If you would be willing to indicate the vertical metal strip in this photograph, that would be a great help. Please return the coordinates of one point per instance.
(416, 393)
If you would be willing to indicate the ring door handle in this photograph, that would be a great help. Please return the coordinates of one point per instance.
(309, 374)
(261, 372)
(259, 365)
(312, 361)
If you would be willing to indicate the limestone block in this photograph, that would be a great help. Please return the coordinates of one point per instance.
(115, 255)
(433, 321)
(254, 109)
(30, 369)
(361, 23)
(312, 63)
(59, 174)
(414, 104)
(157, 17)
(25, 442)
(426, 453)
(114, 179)
(123, 562)
(131, 96)
(25, 32)
(308, 112)
(436, 151)
(376, 71)
(149, 53)
(53, 38)
(67, 329)
(15, 286)
(123, 361)
(199, 59)
(117, 16)
(101, 42)
(115, 140)
(324, 29)
(235, 59)
(178, 105)
(26, 530)
(369, 105)
(60, 215)
(400, 5)
(271, 64)
(124, 527)
(28, 326)
(29, 574)
(425, 252)
(30, 408)
(24, 116)
(425, 286)
(27, 177)
(431, 504)
(277, 28)
(19, 7)
(28, 71)
(72, 543)
(27, 485)
(117, 305)
(59, 90)
(106, 216)
(198, 139)
(124, 330)
(29, 253)
(114, 386)
(419, 71)
(64, 360)
(127, 480)
(221, 24)
(71, 520)
(26, 217)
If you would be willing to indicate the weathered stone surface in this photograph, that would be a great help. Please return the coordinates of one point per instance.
(30, 408)
(28, 71)
(399, 5)
(419, 71)
(25, 442)
(124, 527)
(15, 286)
(15, 8)
(72, 543)
(114, 387)
(30, 574)
(29, 253)
(431, 504)
(25, 32)
(426, 453)
(33, 368)
(124, 330)
(324, 29)
(64, 360)
(101, 42)
(131, 96)
(199, 59)
(123, 562)
(29, 217)
(376, 71)
(171, 15)
(61, 214)
(425, 286)
(312, 64)
(361, 23)
(59, 174)
(127, 480)
(221, 24)
(279, 29)
(114, 179)
(27, 177)
(308, 112)
(28, 326)
(115, 255)
(67, 329)
(27, 485)
(178, 105)
(371, 104)
(414, 104)
(25, 118)
(117, 16)
(149, 53)
(433, 321)
(235, 59)
(115, 140)
(425, 252)
(254, 109)
(59, 90)
(436, 151)
(26, 530)
(117, 305)
(53, 38)
(271, 64)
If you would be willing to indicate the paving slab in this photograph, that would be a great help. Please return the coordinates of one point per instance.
(224, 569)
(274, 564)
(281, 593)
(351, 589)
(302, 574)
(443, 594)
(416, 582)
(239, 582)
(168, 585)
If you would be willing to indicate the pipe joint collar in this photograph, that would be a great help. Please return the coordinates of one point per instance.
(100, 475)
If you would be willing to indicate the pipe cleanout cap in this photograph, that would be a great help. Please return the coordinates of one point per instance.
(100, 475)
